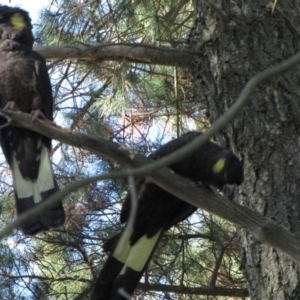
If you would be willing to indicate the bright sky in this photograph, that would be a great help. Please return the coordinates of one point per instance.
(32, 6)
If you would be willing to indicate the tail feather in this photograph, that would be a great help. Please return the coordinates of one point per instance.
(140, 253)
(29, 192)
(125, 267)
(116, 260)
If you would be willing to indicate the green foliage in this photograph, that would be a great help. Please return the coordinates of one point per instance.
(139, 93)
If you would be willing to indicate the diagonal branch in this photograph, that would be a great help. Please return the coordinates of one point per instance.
(264, 229)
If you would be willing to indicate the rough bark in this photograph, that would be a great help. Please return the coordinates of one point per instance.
(243, 40)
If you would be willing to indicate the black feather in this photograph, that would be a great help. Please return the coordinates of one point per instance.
(25, 86)
(158, 211)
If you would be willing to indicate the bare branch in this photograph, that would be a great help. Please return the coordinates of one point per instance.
(139, 53)
(215, 291)
(264, 229)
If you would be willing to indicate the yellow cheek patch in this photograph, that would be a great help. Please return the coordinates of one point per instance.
(17, 21)
(219, 165)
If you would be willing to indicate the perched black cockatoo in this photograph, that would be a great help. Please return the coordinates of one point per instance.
(25, 86)
(158, 211)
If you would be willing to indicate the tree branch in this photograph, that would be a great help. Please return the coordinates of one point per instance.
(215, 291)
(264, 229)
(139, 53)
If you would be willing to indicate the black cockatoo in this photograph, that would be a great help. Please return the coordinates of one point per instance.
(158, 211)
(25, 86)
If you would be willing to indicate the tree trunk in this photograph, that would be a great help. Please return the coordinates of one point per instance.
(235, 44)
